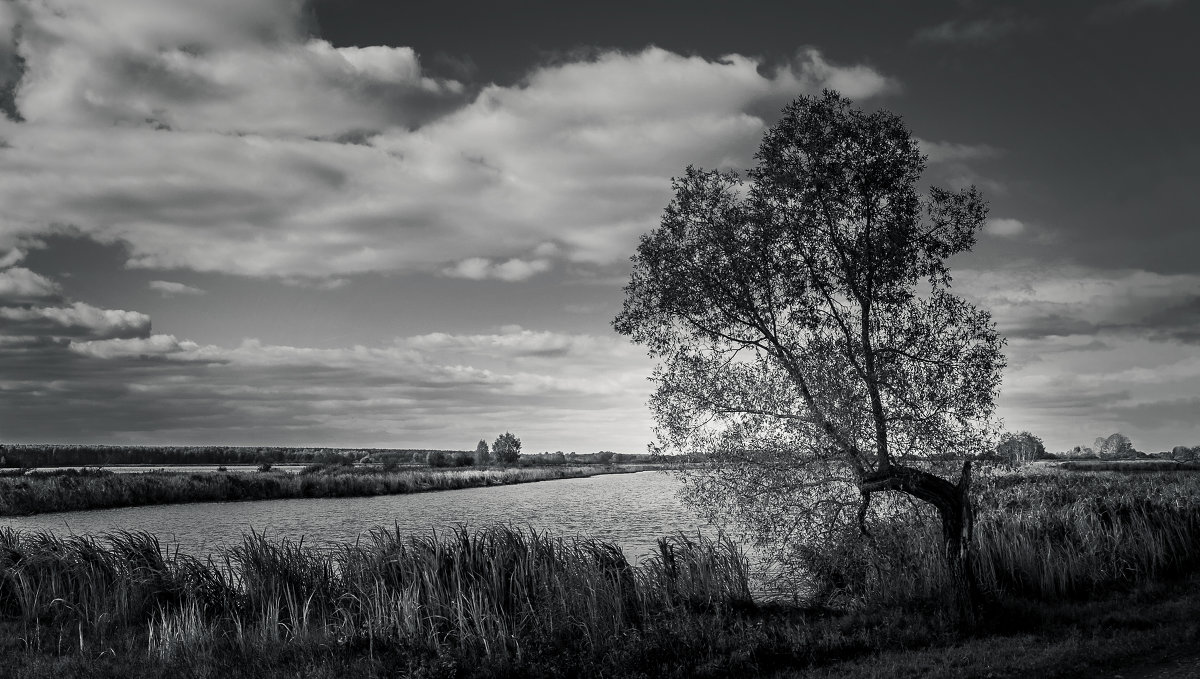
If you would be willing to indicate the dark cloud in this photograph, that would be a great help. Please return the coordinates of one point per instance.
(1161, 414)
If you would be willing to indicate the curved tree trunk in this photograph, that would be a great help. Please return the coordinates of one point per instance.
(953, 504)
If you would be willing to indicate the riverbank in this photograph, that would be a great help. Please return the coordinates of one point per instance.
(504, 603)
(75, 490)
(1080, 574)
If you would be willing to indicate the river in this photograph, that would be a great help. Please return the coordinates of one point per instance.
(632, 510)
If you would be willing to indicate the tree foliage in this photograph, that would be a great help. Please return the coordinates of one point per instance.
(807, 338)
(507, 448)
(1020, 448)
(1115, 447)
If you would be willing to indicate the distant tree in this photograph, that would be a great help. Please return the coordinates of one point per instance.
(1020, 448)
(482, 454)
(1116, 447)
(507, 448)
(1185, 454)
(605, 456)
(437, 458)
(557, 457)
(464, 459)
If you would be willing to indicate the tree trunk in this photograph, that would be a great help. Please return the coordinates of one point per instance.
(953, 504)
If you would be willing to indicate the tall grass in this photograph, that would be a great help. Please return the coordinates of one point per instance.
(1046, 535)
(497, 593)
(521, 601)
(97, 489)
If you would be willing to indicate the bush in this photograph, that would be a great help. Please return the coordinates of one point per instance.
(438, 459)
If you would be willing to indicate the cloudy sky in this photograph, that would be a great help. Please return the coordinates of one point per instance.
(408, 224)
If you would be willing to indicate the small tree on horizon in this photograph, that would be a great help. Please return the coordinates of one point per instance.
(482, 455)
(1020, 448)
(507, 448)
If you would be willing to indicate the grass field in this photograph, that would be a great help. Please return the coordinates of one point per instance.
(1079, 571)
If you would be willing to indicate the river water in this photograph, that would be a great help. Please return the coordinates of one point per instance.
(632, 510)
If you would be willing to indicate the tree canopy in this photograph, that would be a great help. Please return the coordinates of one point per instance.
(507, 448)
(807, 338)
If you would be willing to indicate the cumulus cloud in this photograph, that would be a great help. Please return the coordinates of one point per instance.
(578, 153)
(225, 66)
(19, 285)
(77, 320)
(170, 288)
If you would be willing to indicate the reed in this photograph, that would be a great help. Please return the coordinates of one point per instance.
(492, 594)
(96, 489)
(520, 601)
(1041, 534)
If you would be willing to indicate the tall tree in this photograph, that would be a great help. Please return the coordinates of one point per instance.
(807, 338)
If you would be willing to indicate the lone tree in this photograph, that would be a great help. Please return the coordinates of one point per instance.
(507, 448)
(808, 341)
(482, 455)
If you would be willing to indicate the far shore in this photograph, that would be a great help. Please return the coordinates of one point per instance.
(86, 489)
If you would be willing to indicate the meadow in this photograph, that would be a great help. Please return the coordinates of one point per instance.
(72, 490)
(1077, 570)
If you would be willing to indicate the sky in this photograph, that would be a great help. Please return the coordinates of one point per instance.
(350, 223)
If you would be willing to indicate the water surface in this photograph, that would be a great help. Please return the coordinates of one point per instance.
(632, 510)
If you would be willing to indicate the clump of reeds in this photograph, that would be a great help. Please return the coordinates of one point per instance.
(1046, 535)
(493, 593)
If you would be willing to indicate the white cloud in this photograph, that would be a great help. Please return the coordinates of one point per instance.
(77, 320)
(481, 268)
(1004, 227)
(224, 66)
(11, 257)
(576, 157)
(169, 288)
(20, 285)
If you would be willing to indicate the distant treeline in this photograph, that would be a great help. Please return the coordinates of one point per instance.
(78, 455)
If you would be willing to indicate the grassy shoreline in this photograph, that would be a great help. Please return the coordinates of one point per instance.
(78, 490)
(1081, 573)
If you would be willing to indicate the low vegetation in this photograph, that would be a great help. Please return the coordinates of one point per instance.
(72, 490)
(1079, 571)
